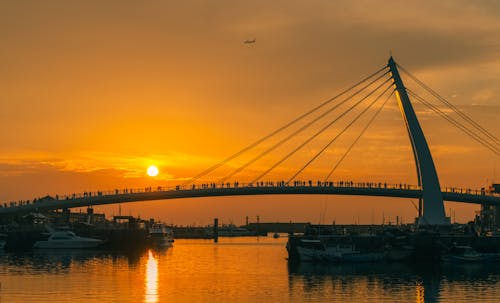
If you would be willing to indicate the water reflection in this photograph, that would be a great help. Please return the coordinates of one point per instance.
(60, 260)
(151, 280)
(419, 293)
(391, 282)
(233, 270)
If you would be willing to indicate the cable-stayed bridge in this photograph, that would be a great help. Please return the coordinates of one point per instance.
(268, 188)
(370, 95)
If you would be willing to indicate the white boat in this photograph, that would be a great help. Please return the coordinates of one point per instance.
(161, 235)
(67, 240)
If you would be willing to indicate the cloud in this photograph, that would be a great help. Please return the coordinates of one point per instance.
(120, 165)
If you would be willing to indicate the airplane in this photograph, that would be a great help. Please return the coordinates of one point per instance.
(250, 41)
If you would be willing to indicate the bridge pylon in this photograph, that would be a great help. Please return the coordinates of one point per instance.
(432, 198)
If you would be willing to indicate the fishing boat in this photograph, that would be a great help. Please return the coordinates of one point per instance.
(67, 240)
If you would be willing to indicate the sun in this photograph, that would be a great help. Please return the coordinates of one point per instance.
(153, 171)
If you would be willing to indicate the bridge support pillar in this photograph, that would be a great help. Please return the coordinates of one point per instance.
(432, 198)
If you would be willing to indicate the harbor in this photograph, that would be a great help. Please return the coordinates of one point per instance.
(479, 240)
(117, 233)
(249, 151)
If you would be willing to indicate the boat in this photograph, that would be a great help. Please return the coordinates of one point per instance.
(398, 253)
(313, 250)
(161, 235)
(362, 257)
(463, 253)
(67, 240)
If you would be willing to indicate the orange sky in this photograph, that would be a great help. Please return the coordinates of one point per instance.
(93, 92)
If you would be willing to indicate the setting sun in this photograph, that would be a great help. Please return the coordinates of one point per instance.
(152, 171)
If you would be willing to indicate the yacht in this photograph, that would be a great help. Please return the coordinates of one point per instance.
(161, 235)
(67, 240)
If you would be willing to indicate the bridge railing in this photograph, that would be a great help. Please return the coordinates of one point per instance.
(89, 195)
(235, 185)
(308, 183)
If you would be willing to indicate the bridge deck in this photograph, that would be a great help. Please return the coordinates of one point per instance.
(213, 190)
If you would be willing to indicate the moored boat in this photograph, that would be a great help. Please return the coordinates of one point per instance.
(398, 253)
(161, 235)
(463, 253)
(362, 257)
(67, 240)
(313, 250)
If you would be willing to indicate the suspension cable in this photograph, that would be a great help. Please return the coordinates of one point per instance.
(359, 137)
(320, 131)
(339, 134)
(453, 107)
(280, 129)
(457, 124)
(304, 127)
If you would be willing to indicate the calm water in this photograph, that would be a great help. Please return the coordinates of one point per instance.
(234, 270)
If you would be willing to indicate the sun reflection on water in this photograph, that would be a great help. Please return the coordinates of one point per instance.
(151, 280)
(420, 293)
